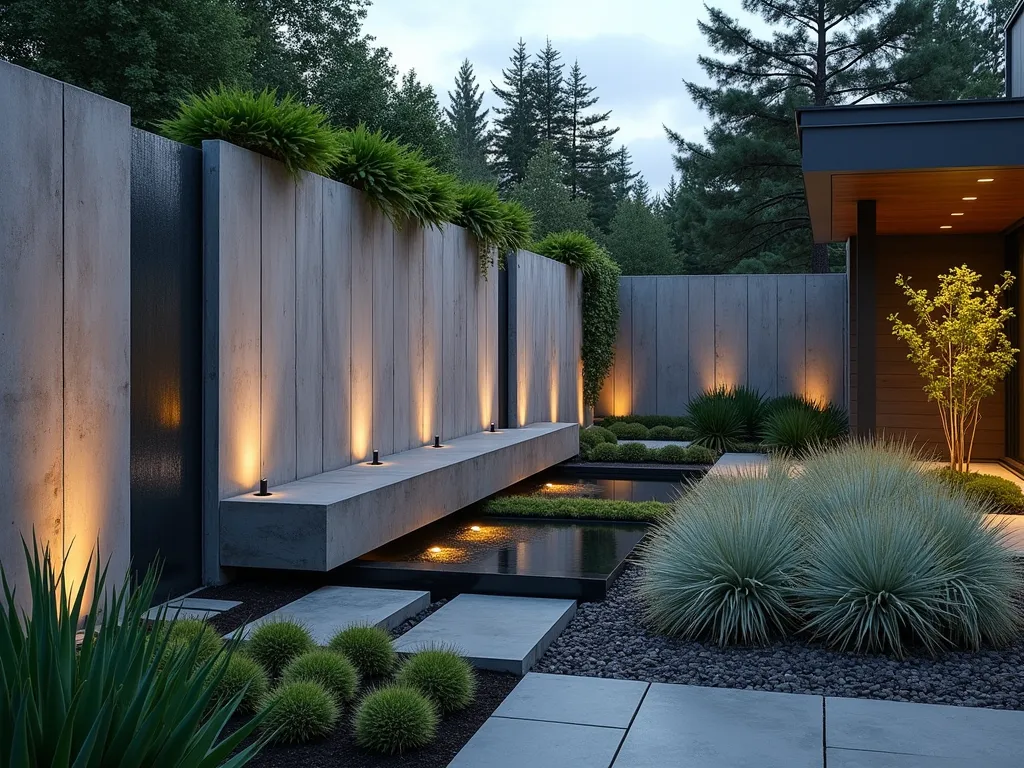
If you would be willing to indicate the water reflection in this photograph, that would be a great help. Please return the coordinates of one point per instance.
(551, 485)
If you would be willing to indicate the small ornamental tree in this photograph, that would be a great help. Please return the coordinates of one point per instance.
(960, 349)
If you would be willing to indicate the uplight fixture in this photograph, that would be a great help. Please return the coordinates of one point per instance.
(263, 488)
(435, 550)
(985, 181)
(376, 459)
(437, 441)
(474, 527)
(492, 427)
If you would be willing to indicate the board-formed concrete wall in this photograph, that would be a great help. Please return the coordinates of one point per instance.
(65, 157)
(545, 305)
(680, 335)
(330, 333)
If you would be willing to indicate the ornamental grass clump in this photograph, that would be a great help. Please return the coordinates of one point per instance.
(243, 675)
(300, 711)
(716, 421)
(723, 566)
(498, 227)
(368, 648)
(275, 643)
(395, 719)
(284, 129)
(442, 675)
(896, 560)
(329, 668)
(393, 177)
(184, 632)
(124, 696)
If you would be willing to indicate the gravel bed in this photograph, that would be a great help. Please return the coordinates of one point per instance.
(608, 639)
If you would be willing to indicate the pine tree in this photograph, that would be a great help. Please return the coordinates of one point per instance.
(468, 125)
(549, 98)
(415, 118)
(544, 193)
(622, 174)
(515, 129)
(639, 240)
(743, 184)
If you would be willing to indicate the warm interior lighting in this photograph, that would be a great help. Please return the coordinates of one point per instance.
(956, 214)
(946, 226)
(969, 198)
(985, 181)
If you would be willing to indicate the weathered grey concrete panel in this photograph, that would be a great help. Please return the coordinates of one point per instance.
(309, 330)
(97, 319)
(762, 327)
(364, 231)
(277, 395)
(337, 294)
(730, 330)
(673, 374)
(792, 330)
(405, 240)
(384, 338)
(460, 421)
(623, 371)
(451, 381)
(433, 322)
(645, 344)
(701, 349)
(825, 377)
(474, 282)
(31, 317)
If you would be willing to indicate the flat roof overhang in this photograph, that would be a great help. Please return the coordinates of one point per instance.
(921, 162)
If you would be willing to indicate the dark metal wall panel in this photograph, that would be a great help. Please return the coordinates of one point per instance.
(166, 358)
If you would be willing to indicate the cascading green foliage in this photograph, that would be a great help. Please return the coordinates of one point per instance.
(723, 566)
(284, 129)
(432, 193)
(498, 227)
(600, 303)
(383, 169)
(895, 560)
(126, 697)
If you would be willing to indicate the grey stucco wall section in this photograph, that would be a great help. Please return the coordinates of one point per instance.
(64, 322)
(680, 335)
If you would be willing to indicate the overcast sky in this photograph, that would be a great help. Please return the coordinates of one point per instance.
(636, 52)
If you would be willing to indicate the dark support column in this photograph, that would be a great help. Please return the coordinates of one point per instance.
(508, 391)
(1011, 445)
(867, 249)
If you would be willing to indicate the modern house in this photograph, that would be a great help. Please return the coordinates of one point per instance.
(915, 189)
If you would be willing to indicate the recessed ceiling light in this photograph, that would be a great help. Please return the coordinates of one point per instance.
(956, 214)
(970, 198)
(946, 226)
(982, 181)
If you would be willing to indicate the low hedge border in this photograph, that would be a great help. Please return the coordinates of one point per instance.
(577, 509)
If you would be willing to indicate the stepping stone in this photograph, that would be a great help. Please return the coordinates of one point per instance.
(984, 736)
(504, 634)
(191, 608)
(856, 758)
(712, 727)
(577, 700)
(329, 609)
(504, 743)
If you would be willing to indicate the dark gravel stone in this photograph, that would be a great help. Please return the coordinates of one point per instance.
(609, 639)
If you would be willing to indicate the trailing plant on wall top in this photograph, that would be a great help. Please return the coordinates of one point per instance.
(499, 227)
(600, 303)
(284, 129)
(960, 349)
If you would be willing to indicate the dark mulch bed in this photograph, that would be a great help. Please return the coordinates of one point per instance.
(258, 598)
(452, 734)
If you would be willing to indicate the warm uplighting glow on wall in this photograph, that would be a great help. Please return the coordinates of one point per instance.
(361, 421)
(523, 387)
(818, 389)
(553, 397)
(484, 383)
(169, 408)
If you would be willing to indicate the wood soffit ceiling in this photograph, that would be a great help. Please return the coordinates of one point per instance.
(923, 202)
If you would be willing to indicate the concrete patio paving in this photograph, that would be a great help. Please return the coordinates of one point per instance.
(578, 722)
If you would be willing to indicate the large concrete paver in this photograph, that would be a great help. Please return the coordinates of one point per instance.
(692, 727)
(329, 609)
(191, 608)
(505, 634)
(855, 758)
(577, 700)
(505, 743)
(985, 736)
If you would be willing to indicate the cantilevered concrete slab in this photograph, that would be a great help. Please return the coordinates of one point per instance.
(504, 634)
(330, 609)
(324, 521)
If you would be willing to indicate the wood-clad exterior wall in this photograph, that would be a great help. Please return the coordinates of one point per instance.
(902, 408)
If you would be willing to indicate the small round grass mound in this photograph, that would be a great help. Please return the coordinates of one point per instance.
(604, 452)
(1004, 495)
(625, 430)
(660, 432)
(329, 668)
(606, 435)
(300, 711)
(276, 643)
(443, 676)
(634, 453)
(368, 648)
(243, 672)
(184, 632)
(395, 719)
